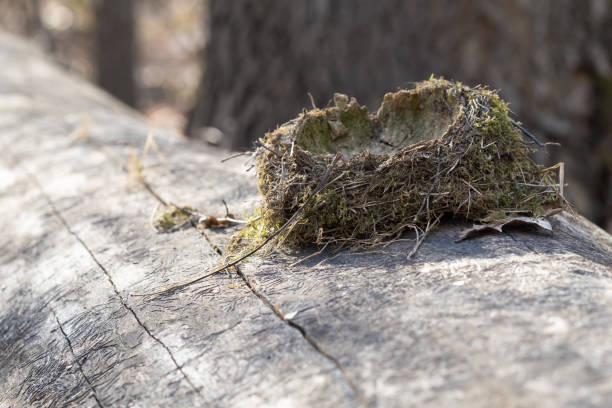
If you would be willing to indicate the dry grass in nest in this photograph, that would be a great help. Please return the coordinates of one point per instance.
(438, 149)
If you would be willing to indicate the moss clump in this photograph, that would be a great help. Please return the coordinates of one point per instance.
(169, 218)
(440, 148)
(343, 127)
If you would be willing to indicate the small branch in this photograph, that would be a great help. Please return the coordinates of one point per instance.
(416, 217)
(227, 213)
(271, 150)
(417, 245)
(309, 256)
(233, 156)
(182, 285)
(312, 101)
(526, 132)
(148, 187)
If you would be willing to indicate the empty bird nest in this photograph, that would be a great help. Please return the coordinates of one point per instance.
(361, 179)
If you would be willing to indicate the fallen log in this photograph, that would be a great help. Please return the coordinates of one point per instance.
(512, 319)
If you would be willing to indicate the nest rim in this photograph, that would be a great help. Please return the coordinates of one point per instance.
(478, 167)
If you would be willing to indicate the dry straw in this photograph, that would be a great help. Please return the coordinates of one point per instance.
(438, 149)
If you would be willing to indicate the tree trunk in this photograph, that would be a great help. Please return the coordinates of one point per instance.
(114, 37)
(551, 59)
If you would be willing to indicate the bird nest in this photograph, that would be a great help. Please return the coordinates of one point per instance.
(358, 178)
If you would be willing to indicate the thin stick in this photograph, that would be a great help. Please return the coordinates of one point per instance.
(526, 132)
(312, 101)
(309, 256)
(150, 143)
(561, 167)
(271, 150)
(420, 241)
(226, 208)
(153, 193)
(314, 192)
(416, 217)
(561, 179)
(233, 156)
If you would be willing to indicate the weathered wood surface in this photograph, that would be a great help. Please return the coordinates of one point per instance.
(517, 319)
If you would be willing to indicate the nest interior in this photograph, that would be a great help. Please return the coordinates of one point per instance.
(439, 148)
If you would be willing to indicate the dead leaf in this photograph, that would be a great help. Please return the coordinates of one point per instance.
(540, 223)
(210, 221)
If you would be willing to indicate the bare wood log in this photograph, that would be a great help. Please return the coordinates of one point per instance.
(513, 319)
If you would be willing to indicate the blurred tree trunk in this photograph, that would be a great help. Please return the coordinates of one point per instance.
(114, 38)
(32, 24)
(552, 59)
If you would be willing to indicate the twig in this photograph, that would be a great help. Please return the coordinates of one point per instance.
(526, 132)
(150, 143)
(472, 187)
(309, 256)
(153, 193)
(312, 101)
(416, 217)
(561, 179)
(226, 208)
(228, 265)
(430, 226)
(271, 150)
(561, 167)
(233, 156)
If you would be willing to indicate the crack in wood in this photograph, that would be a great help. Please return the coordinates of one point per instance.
(211, 335)
(77, 362)
(61, 218)
(309, 339)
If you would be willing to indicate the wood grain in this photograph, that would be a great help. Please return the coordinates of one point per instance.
(515, 319)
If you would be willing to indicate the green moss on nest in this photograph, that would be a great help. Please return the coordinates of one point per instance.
(440, 148)
(423, 113)
(344, 127)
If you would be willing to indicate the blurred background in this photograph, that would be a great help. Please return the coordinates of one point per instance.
(226, 71)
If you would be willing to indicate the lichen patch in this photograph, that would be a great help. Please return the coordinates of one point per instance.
(170, 218)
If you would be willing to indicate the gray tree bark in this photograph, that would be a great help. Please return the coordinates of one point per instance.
(115, 50)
